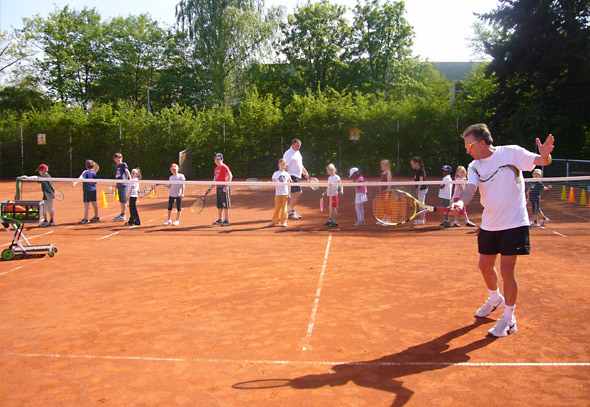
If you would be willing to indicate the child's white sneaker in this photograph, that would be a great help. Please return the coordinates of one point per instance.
(176, 223)
(167, 222)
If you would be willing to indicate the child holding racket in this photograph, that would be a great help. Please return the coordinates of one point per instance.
(460, 175)
(121, 172)
(385, 177)
(48, 195)
(360, 196)
(332, 192)
(222, 174)
(280, 215)
(444, 193)
(133, 195)
(176, 194)
(89, 191)
(421, 190)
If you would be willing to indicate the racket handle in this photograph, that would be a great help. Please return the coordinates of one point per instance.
(441, 209)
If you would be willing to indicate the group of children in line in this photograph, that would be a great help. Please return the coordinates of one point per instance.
(130, 192)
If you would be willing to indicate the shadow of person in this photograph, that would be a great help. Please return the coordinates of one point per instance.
(380, 374)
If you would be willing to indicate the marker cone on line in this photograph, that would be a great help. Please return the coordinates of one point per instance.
(152, 193)
(563, 194)
(116, 194)
(572, 197)
(583, 200)
(103, 200)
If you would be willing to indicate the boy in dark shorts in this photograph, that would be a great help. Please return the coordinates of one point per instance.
(121, 172)
(89, 191)
(48, 195)
(534, 193)
(176, 194)
(497, 172)
(222, 174)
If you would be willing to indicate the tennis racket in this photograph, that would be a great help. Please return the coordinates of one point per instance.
(395, 207)
(199, 204)
(149, 191)
(254, 187)
(59, 195)
(313, 180)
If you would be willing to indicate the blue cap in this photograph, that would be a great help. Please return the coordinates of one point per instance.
(218, 155)
(447, 168)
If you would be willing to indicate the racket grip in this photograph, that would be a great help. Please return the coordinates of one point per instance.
(442, 209)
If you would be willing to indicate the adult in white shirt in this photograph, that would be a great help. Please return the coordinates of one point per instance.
(295, 169)
(497, 172)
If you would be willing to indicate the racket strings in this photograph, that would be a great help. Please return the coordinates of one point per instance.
(392, 207)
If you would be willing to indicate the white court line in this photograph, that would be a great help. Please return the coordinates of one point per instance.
(32, 237)
(558, 234)
(317, 296)
(104, 237)
(20, 267)
(299, 362)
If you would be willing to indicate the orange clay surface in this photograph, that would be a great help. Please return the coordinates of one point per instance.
(155, 316)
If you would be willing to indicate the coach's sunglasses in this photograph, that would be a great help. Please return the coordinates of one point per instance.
(468, 146)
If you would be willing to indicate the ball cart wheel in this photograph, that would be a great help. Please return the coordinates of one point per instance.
(7, 254)
(51, 253)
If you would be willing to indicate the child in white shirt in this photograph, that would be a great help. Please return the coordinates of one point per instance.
(332, 193)
(279, 217)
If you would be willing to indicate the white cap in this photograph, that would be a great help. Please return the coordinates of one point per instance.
(352, 171)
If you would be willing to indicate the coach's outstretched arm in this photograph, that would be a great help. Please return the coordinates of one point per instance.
(466, 197)
(545, 150)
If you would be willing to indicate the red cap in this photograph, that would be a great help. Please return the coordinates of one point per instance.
(42, 167)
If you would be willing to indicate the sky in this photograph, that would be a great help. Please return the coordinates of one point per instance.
(442, 27)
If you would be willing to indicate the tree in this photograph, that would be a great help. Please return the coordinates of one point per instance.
(73, 46)
(134, 57)
(541, 61)
(316, 43)
(383, 41)
(225, 36)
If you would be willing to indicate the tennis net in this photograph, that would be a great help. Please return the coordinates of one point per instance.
(564, 201)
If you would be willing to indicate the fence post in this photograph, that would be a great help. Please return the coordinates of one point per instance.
(22, 152)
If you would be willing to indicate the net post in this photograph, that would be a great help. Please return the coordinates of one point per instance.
(17, 189)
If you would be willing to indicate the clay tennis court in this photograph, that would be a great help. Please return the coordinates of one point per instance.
(251, 316)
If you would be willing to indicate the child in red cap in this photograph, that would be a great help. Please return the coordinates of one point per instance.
(48, 195)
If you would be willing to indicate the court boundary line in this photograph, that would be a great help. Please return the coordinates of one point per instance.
(318, 293)
(296, 362)
(104, 237)
(20, 267)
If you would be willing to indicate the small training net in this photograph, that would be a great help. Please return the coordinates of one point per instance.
(560, 203)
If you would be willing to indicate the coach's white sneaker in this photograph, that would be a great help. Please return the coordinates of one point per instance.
(489, 307)
(167, 222)
(503, 328)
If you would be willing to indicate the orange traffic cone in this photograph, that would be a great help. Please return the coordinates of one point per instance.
(103, 200)
(116, 194)
(572, 198)
(563, 194)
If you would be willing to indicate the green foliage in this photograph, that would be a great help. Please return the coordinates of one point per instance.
(541, 64)
(316, 43)
(222, 38)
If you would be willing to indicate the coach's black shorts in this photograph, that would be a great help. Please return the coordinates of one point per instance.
(509, 242)
(89, 196)
(178, 200)
(223, 198)
(122, 191)
(296, 180)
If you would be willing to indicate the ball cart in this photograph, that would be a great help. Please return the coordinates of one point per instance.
(14, 216)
